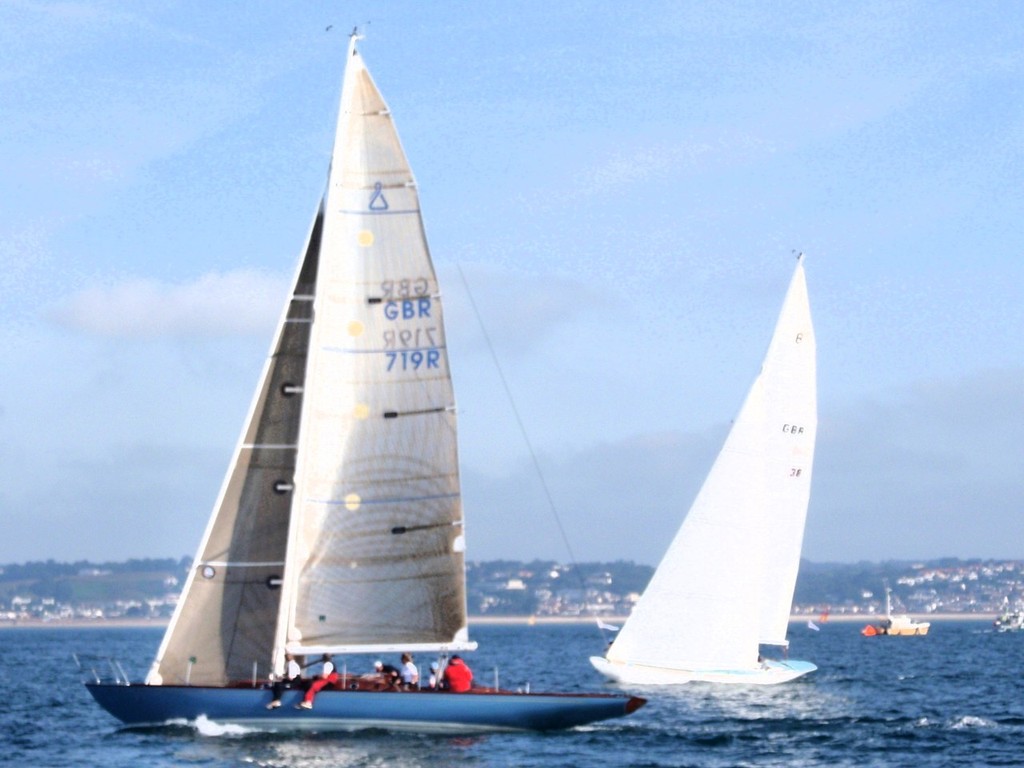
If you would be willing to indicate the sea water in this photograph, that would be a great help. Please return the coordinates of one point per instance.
(951, 698)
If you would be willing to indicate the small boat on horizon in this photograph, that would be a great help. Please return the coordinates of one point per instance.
(1009, 621)
(899, 624)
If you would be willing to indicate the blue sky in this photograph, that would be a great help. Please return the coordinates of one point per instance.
(623, 187)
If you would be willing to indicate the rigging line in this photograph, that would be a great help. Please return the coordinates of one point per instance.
(519, 420)
(526, 439)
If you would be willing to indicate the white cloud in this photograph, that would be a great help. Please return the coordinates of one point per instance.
(241, 302)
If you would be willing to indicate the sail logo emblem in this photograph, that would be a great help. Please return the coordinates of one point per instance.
(377, 201)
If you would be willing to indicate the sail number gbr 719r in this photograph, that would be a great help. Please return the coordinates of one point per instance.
(413, 346)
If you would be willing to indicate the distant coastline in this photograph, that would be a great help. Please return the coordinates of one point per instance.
(481, 621)
(145, 592)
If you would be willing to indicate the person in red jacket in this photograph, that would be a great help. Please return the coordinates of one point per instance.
(458, 677)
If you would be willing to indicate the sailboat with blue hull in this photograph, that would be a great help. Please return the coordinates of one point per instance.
(421, 711)
(338, 529)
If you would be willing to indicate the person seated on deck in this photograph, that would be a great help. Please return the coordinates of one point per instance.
(387, 674)
(458, 677)
(292, 677)
(328, 676)
(410, 674)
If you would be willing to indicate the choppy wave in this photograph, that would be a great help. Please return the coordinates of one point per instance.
(969, 721)
(931, 701)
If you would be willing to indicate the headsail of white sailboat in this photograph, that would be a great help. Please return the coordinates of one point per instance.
(339, 525)
(726, 582)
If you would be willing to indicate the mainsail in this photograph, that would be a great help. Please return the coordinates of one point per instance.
(375, 552)
(725, 584)
(339, 524)
(789, 390)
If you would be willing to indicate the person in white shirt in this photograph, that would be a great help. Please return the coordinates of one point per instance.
(292, 677)
(410, 675)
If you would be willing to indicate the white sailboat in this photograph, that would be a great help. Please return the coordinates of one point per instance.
(725, 586)
(339, 526)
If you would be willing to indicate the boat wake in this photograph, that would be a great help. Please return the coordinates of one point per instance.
(204, 726)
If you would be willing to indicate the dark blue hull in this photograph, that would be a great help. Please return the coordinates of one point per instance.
(420, 711)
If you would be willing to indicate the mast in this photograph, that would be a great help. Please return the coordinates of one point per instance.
(286, 610)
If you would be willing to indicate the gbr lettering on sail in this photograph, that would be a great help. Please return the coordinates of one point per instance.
(410, 335)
